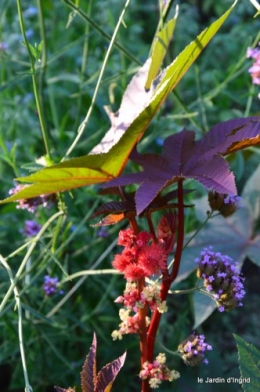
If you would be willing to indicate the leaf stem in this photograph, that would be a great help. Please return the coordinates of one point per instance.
(202, 225)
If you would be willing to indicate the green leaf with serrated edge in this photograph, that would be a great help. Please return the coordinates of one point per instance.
(159, 48)
(93, 169)
(203, 307)
(249, 364)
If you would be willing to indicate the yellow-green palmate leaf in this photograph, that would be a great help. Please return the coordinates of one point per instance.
(102, 167)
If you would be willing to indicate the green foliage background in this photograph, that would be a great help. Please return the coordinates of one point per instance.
(58, 332)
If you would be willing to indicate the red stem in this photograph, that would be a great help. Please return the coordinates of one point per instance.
(167, 281)
(179, 247)
(143, 328)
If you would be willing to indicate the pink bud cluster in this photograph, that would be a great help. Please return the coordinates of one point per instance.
(130, 324)
(133, 301)
(139, 258)
(149, 296)
(157, 371)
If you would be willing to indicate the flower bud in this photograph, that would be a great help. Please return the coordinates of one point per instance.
(224, 203)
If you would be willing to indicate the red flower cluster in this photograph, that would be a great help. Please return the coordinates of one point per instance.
(139, 258)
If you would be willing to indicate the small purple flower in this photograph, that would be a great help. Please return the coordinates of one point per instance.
(192, 349)
(3, 46)
(31, 228)
(102, 232)
(221, 278)
(50, 285)
(31, 11)
(233, 199)
(29, 33)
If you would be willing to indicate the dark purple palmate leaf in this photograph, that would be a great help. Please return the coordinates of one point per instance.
(108, 373)
(181, 158)
(229, 136)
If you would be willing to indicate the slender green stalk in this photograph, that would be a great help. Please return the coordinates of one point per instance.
(83, 64)
(111, 44)
(28, 388)
(81, 281)
(185, 291)
(91, 272)
(202, 225)
(249, 100)
(35, 85)
(83, 15)
(26, 258)
(201, 101)
(43, 52)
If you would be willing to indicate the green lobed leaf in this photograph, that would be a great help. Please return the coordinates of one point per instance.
(203, 307)
(251, 194)
(159, 48)
(249, 364)
(92, 169)
(230, 236)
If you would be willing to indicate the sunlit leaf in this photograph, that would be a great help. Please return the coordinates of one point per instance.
(135, 99)
(159, 48)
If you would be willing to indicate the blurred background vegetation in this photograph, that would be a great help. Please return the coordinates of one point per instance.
(58, 329)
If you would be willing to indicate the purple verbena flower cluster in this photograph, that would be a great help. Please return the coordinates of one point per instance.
(193, 349)
(50, 285)
(221, 278)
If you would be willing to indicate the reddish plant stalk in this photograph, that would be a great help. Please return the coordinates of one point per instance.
(167, 281)
(143, 328)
